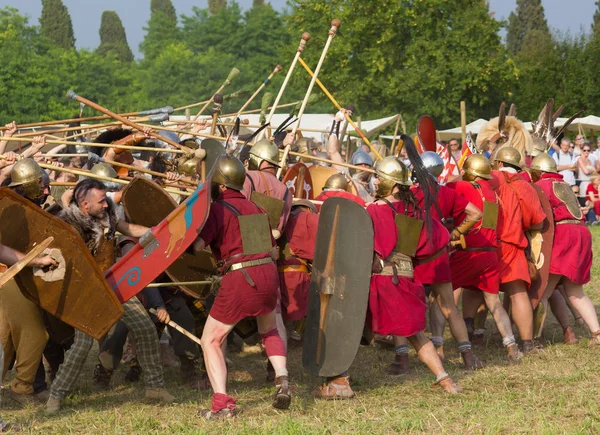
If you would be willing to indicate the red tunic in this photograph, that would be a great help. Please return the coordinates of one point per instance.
(268, 184)
(592, 189)
(476, 269)
(572, 247)
(451, 205)
(324, 195)
(393, 309)
(301, 234)
(520, 210)
(237, 299)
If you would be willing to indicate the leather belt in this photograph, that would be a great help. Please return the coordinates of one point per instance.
(249, 263)
(569, 221)
(432, 257)
(293, 268)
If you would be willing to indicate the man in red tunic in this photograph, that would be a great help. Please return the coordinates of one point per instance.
(296, 253)
(475, 267)
(337, 186)
(396, 301)
(520, 211)
(571, 260)
(434, 267)
(249, 287)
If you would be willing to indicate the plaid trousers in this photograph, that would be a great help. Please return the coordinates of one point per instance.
(148, 350)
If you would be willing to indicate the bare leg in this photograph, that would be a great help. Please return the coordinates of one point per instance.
(437, 323)
(445, 299)
(500, 315)
(560, 309)
(582, 304)
(213, 336)
(427, 354)
(522, 312)
(541, 311)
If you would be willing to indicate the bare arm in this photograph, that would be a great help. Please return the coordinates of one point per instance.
(131, 230)
(10, 130)
(10, 256)
(583, 167)
(38, 143)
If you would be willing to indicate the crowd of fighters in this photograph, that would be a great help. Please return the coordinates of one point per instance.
(475, 238)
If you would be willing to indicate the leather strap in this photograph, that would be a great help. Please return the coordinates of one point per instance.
(432, 257)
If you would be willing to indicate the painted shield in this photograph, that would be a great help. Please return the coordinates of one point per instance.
(82, 299)
(426, 134)
(158, 249)
(213, 149)
(537, 287)
(339, 288)
(320, 174)
(299, 182)
(146, 203)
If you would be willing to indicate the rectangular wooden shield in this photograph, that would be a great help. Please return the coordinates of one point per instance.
(538, 286)
(273, 206)
(147, 204)
(160, 246)
(339, 287)
(410, 228)
(83, 299)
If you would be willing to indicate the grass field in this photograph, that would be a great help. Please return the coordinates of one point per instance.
(556, 391)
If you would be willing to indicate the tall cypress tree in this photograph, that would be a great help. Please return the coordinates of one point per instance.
(162, 28)
(258, 3)
(113, 38)
(215, 6)
(528, 20)
(56, 25)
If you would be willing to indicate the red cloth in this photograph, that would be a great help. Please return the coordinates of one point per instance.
(273, 188)
(476, 270)
(323, 196)
(393, 309)
(520, 210)
(301, 234)
(572, 247)
(451, 205)
(222, 401)
(592, 189)
(237, 299)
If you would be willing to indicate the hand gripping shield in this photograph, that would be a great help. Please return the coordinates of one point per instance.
(339, 288)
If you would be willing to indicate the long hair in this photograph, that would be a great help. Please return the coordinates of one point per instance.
(427, 183)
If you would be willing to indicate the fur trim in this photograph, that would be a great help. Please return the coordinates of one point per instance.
(91, 229)
(513, 130)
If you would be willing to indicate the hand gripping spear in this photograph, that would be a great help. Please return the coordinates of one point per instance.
(335, 24)
(303, 41)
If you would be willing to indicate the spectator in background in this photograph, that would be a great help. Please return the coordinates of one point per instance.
(578, 145)
(596, 154)
(594, 199)
(455, 149)
(586, 167)
(566, 162)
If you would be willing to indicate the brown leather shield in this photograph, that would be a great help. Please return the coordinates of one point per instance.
(339, 287)
(146, 203)
(299, 182)
(83, 299)
(536, 290)
(320, 174)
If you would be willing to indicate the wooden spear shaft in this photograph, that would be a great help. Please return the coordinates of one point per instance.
(337, 105)
(71, 94)
(232, 75)
(303, 40)
(185, 332)
(247, 112)
(23, 262)
(260, 88)
(335, 24)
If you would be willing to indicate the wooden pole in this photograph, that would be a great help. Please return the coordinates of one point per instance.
(463, 123)
(337, 105)
(19, 265)
(395, 133)
(232, 75)
(185, 332)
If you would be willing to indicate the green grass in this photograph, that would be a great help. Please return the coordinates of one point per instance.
(556, 391)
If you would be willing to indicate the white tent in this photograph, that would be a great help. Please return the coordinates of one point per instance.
(589, 122)
(472, 128)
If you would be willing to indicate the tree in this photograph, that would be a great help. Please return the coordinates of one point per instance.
(113, 38)
(258, 3)
(55, 24)
(162, 28)
(528, 21)
(214, 6)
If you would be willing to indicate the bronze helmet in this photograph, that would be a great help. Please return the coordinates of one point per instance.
(229, 171)
(263, 150)
(188, 167)
(390, 172)
(544, 163)
(509, 155)
(477, 165)
(337, 182)
(433, 163)
(27, 173)
(104, 170)
(305, 203)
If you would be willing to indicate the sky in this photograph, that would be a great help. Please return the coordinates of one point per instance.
(565, 16)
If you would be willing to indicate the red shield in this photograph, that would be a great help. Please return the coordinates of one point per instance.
(426, 133)
(299, 182)
(160, 246)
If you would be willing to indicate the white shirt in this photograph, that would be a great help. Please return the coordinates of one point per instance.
(563, 159)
